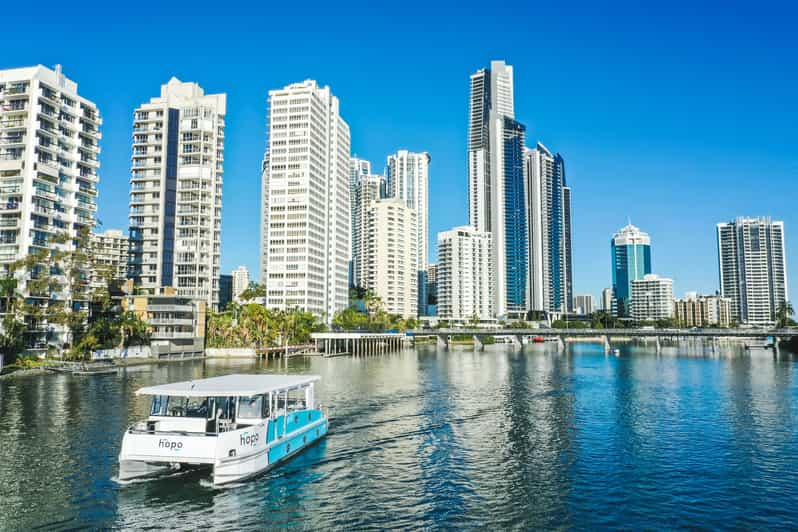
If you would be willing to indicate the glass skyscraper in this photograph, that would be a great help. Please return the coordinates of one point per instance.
(631, 260)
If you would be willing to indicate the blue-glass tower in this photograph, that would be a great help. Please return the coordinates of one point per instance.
(631, 259)
(515, 217)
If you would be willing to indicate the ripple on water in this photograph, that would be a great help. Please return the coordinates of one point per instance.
(431, 439)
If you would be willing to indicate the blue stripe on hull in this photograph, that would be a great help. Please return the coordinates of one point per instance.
(288, 448)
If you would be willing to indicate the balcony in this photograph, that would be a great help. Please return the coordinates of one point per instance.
(173, 335)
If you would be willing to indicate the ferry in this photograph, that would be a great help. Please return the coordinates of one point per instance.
(237, 425)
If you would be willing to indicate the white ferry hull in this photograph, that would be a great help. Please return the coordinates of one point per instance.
(235, 455)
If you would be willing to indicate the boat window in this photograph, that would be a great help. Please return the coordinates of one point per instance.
(296, 400)
(159, 403)
(250, 407)
(224, 406)
(196, 407)
(166, 406)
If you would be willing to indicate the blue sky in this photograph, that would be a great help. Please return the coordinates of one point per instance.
(676, 116)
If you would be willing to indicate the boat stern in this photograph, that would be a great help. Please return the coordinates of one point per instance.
(150, 453)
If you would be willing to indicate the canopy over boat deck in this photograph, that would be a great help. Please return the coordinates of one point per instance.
(231, 386)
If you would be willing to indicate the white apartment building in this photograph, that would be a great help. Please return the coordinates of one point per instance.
(652, 298)
(240, 281)
(366, 192)
(358, 169)
(390, 249)
(753, 268)
(176, 192)
(549, 209)
(464, 274)
(606, 300)
(583, 304)
(109, 257)
(306, 244)
(49, 143)
(407, 177)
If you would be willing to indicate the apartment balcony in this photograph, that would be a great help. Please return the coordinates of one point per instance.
(15, 90)
(166, 307)
(165, 335)
(50, 97)
(171, 321)
(13, 122)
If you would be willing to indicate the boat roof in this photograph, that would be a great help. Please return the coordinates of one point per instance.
(231, 385)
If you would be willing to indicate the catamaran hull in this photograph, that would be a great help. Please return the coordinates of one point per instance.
(235, 455)
(234, 469)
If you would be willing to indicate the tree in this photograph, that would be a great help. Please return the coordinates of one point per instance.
(783, 314)
(253, 291)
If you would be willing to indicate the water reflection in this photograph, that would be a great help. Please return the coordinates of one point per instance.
(695, 435)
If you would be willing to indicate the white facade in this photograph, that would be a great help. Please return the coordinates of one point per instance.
(549, 210)
(358, 169)
(652, 298)
(390, 254)
(408, 179)
(606, 300)
(176, 191)
(109, 257)
(753, 268)
(49, 144)
(464, 274)
(367, 191)
(240, 281)
(583, 304)
(306, 245)
(491, 101)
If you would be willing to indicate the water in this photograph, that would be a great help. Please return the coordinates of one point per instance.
(436, 439)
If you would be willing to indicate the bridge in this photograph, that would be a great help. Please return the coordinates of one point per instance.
(605, 335)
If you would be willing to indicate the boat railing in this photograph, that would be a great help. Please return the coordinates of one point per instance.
(135, 430)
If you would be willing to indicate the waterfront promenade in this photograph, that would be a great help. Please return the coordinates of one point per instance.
(606, 336)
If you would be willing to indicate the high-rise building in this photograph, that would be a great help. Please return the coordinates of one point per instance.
(497, 196)
(550, 270)
(753, 271)
(367, 191)
(652, 298)
(464, 276)
(358, 168)
(176, 192)
(225, 290)
(583, 304)
(631, 260)
(49, 142)
(306, 196)
(390, 249)
(702, 311)
(432, 290)
(606, 300)
(264, 216)
(240, 281)
(407, 177)
(109, 257)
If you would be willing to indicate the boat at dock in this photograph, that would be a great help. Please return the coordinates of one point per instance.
(101, 367)
(236, 425)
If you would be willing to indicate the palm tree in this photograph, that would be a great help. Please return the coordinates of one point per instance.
(784, 313)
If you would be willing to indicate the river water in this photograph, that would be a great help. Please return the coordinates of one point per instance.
(429, 438)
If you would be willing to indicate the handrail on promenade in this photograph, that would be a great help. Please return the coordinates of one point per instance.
(718, 333)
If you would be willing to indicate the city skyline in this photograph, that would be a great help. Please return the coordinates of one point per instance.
(668, 192)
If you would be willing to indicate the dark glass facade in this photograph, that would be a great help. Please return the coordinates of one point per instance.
(515, 217)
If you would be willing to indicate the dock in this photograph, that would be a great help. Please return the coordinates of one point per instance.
(357, 344)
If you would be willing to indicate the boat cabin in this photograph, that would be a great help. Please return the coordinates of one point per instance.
(231, 402)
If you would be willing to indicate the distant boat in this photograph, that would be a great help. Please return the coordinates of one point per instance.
(538, 339)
